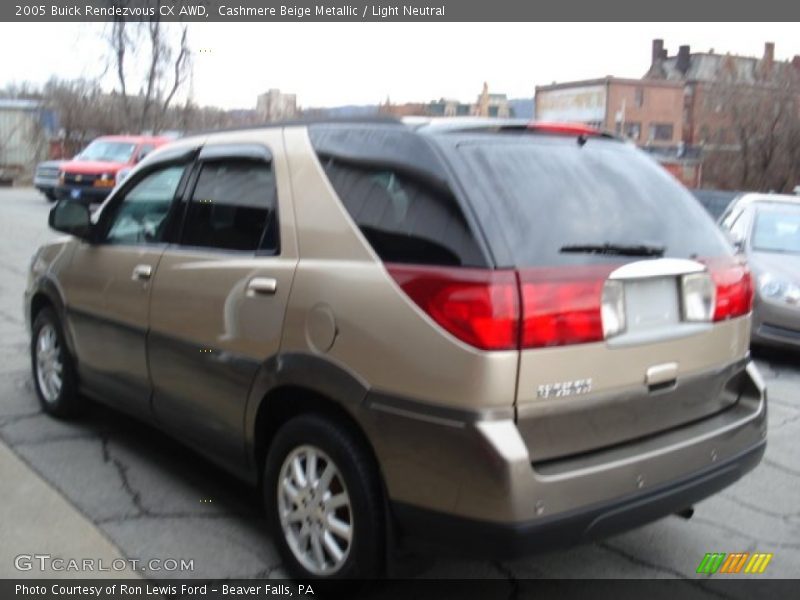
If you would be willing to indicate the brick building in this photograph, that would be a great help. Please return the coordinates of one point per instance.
(684, 107)
(709, 79)
(648, 112)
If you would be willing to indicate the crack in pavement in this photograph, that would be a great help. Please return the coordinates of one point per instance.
(640, 561)
(758, 509)
(645, 563)
(782, 468)
(174, 515)
(786, 421)
(265, 573)
(122, 472)
(506, 572)
(53, 439)
(725, 528)
(11, 419)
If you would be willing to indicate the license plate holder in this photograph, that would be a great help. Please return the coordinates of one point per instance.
(652, 303)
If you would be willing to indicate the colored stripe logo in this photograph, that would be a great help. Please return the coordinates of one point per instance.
(734, 563)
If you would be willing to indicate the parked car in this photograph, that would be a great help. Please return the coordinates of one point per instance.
(92, 174)
(766, 229)
(45, 178)
(487, 335)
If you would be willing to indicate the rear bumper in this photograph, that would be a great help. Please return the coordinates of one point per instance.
(473, 537)
(463, 481)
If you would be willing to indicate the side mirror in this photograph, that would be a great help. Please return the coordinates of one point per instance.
(72, 218)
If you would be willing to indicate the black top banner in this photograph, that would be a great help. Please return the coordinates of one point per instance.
(398, 11)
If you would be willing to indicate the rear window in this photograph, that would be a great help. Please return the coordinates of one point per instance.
(395, 187)
(536, 195)
(404, 220)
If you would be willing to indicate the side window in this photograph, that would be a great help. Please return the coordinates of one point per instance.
(233, 207)
(141, 216)
(405, 220)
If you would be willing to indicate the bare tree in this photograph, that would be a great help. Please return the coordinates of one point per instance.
(756, 144)
(167, 60)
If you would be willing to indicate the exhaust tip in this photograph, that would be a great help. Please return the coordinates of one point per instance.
(686, 513)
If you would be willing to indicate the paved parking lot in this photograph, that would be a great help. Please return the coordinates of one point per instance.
(153, 498)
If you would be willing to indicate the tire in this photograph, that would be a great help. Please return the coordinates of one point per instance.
(51, 196)
(356, 476)
(50, 356)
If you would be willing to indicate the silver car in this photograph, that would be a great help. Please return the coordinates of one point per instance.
(766, 228)
(45, 178)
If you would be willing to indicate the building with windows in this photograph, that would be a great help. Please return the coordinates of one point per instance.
(711, 80)
(647, 112)
(492, 105)
(26, 127)
(274, 105)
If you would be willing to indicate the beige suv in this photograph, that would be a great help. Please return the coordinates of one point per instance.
(492, 335)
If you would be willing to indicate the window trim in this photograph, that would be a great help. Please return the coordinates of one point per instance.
(254, 153)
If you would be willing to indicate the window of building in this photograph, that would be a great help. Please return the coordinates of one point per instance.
(632, 130)
(233, 207)
(661, 132)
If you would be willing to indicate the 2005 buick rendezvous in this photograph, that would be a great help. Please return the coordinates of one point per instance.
(511, 335)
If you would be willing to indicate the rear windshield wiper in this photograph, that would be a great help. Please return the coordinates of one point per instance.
(614, 249)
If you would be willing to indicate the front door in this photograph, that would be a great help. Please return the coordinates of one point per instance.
(219, 296)
(107, 289)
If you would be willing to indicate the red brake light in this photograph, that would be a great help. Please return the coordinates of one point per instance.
(564, 128)
(562, 306)
(734, 288)
(478, 306)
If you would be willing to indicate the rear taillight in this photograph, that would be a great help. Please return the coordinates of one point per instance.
(478, 306)
(734, 288)
(542, 307)
(563, 306)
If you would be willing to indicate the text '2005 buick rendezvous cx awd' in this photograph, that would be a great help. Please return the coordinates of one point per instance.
(489, 334)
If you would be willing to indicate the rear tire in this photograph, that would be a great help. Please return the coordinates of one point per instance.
(324, 502)
(54, 375)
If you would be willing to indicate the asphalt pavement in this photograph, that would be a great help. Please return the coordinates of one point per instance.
(134, 492)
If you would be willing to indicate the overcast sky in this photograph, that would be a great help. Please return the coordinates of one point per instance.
(328, 64)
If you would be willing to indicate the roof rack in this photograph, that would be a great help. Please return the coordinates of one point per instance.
(366, 120)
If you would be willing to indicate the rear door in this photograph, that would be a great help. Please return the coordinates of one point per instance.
(220, 294)
(605, 241)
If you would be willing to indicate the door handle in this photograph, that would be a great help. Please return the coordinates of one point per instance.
(142, 272)
(262, 286)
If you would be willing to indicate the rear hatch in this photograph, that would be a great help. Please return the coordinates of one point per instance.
(633, 308)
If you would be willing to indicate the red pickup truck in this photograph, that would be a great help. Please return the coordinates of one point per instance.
(92, 174)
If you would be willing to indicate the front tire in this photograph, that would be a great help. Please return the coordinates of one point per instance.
(324, 503)
(53, 368)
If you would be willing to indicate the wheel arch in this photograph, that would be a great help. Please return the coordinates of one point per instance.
(46, 294)
(291, 384)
